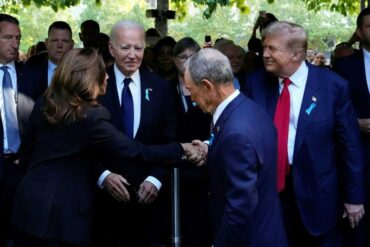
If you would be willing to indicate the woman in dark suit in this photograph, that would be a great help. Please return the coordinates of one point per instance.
(69, 135)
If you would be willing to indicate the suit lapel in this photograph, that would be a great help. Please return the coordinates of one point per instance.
(20, 79)
(146, 92)
(111, 98)
(272, 94)
(311, 101)
(219, 125)
(362, 75)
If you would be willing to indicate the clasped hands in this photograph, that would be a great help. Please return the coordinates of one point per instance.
(196, 152)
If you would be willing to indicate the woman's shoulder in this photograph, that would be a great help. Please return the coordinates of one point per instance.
(96, 112)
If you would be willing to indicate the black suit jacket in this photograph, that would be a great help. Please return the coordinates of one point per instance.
(352, 68)
(157, 122)
(54, 199)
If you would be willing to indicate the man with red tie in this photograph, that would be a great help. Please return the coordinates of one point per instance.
(320, 166)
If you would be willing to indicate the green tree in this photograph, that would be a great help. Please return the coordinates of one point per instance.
(344, 7)
(323, 26)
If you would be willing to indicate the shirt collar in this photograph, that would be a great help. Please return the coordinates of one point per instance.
(221, 107)
(10, 65)
(366, 55)
(120, 76)
(297, 78)
(51, 66)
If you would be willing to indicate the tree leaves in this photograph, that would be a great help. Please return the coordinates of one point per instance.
(344, 7)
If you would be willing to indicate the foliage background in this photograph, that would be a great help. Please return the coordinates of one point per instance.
(325, 28)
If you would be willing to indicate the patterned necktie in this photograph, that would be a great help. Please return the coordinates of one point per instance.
(10, 110)
(127, 107)
(281, 121)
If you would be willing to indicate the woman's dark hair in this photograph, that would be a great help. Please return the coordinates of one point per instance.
(185, 43)
(77, 80)
(166, 41)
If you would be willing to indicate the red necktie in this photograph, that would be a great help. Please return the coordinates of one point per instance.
(281, 121)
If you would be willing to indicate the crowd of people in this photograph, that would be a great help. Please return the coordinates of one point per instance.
(272, 144)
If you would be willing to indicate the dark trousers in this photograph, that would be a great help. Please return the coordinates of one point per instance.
(11, 176)
(360, 235)
(296, 232)
(25, 240)
(195, 229)
(125, 224)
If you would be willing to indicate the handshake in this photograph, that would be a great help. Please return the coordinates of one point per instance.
(195, 152)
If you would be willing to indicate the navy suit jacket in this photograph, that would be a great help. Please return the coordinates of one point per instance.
(27, 93)
(352, 68)
(55, 198)
(40, 73)
(157, 122)
(327, 144)
(244, 205)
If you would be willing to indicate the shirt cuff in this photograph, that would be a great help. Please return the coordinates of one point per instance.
(154, 181)
(102, 178)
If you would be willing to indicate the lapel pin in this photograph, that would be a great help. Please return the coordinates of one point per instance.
(147, 90)
(314, 99)
(309, 109)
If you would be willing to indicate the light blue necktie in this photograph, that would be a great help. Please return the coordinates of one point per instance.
(10, 110)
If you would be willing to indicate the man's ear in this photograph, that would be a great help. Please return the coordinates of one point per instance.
(207, 84)
(297, 55)
(359, 33)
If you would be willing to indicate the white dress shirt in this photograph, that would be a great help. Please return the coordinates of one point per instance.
(367, 67)
(51, 70)
(296, 91)
(135, 88)
(13, 76)
(221, 107)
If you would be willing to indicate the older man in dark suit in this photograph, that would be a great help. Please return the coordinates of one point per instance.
(244, 205)
(17, 100)
(318, 138)
(142, 107)
(356, 69)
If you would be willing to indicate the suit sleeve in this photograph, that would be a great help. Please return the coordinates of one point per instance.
(348, 134)
(106, 140)
(240, 163)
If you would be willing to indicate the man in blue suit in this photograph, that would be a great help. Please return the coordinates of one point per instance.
(244, 205)
(15, 110)
(324, 174)
(153, 122)
(356, 69)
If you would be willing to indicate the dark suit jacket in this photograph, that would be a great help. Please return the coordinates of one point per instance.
(326, 144)
(54, 199)
(352, 68)
(244, 203)
(40, 73)
(26, 96)
(157, 122)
